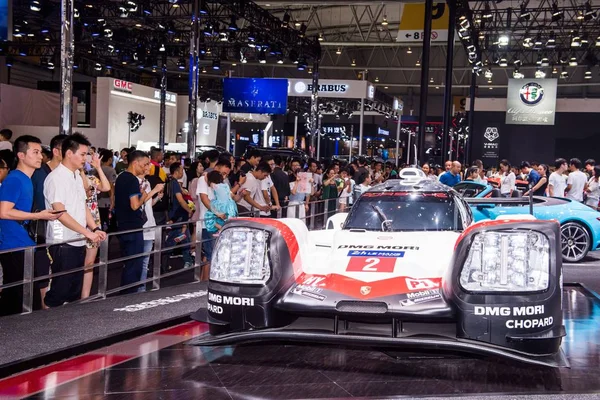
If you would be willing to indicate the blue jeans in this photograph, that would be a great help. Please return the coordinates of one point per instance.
(170, 242)
(132, 244)
(147, 248)
(207, 244)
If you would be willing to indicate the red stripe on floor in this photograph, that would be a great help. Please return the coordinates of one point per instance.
(47, 377)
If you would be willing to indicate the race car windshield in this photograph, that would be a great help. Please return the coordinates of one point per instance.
(405, 212)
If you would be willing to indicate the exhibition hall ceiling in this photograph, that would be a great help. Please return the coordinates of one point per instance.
(130, 39)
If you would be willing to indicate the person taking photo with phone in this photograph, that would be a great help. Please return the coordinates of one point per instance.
(16, 199)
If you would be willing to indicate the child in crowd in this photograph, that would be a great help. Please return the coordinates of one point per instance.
(222, 207)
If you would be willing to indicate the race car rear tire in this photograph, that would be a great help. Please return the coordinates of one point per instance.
(575, 242)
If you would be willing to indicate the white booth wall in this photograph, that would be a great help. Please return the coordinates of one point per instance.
(208, 119)
(118, 98)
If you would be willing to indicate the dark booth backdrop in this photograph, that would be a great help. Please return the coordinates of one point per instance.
(573, 135)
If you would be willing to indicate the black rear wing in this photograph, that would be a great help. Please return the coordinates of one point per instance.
(509, 201)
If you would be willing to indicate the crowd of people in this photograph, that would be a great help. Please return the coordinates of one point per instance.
(69, 196)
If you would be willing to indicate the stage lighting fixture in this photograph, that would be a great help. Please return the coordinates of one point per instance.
(503, 40)
(35, 5)
(262, 57)
(525, 15)
(545, 61)
(303, 28)
(286, 20)
(575, 40)
(353, 63)
(573, 62)
(538, 40)
(518, 74)
(385, 21)
(556, 13)
(339, 50)
(182, 64)
(551, 43)
(233, 24)
(279, 59)
(598, 41)
(589, 12)
(584, 40)
(487, 14)
(488, 73)
(162, 48)
(203, 70)
(564, 74)
(588, 74)
(98, 67)
(320, 38)
(539, 74)
(216, 64)
(503, 62)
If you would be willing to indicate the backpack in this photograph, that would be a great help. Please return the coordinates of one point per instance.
(154, 179)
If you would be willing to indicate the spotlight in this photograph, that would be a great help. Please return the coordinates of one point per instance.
(353, 62)
(488, 74)
(203, 70)
(303, 30)
(588, 74)
(385, 21)
(525, 15)
(320, 38)
(376, 79)
(598, 41)
(575, 40)
(98, 67)
(487, 13)
(162, 48)
(545, 61)
(409, 51)
(538, 40)
(564, 74)
(286, 20)
(503, 62)
(556, 13)
(503, 40)
(35, 6)
(181, 64)
(233, 24)
(573, 61)
(518, 74)
(216, 64)
(551, 43)
(279, 59)
(262, 57)
(589, 12)
(339, 50)
(539, 74)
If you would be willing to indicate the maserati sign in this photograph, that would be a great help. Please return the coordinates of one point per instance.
(531, 102)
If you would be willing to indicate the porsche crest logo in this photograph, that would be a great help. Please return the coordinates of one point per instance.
(365, 290)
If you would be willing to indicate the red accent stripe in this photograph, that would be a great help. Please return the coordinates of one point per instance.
(339, 283)
(50, 376)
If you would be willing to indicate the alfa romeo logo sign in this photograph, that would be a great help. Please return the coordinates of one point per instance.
(491, 134)
(531, 93)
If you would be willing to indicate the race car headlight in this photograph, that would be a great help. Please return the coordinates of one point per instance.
(507, 261)
(241, 257)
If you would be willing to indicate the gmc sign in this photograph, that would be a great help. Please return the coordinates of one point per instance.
(123, 85)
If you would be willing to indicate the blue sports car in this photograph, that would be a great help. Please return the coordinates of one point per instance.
(579, 224)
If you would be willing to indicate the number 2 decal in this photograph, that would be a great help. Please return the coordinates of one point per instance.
(371, 264)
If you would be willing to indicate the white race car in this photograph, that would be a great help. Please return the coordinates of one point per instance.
(406, 268)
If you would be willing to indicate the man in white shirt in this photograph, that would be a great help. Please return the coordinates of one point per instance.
(253, 194)
(576, 181)
(270, 195)
(5, 144)
(206, 195)
(557, 183)
(64, 191)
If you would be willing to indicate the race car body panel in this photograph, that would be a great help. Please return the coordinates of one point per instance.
(407, 268)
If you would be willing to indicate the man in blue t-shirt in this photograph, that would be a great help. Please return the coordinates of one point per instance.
(452, 177)
(533, 177)
(16, 200)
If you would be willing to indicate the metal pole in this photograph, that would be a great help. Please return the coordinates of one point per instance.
(351, 141)
(408, 148)
(319, 146)
(67, 48)
(471, 117)
(314, 108)
(228, 127)
(163, 104)
(448, 81)
(397, 154)
(193, 86)
(103, 269)
(28, 287)
(424, 79)
(362, 119)
(295, 132)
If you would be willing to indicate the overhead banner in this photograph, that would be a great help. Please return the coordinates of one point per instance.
(332, 88)
(531, 102)
(491, 146)
(412, 17)
(5, 20)
(255, 96)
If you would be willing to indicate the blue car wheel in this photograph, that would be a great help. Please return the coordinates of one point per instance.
(575, 242)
